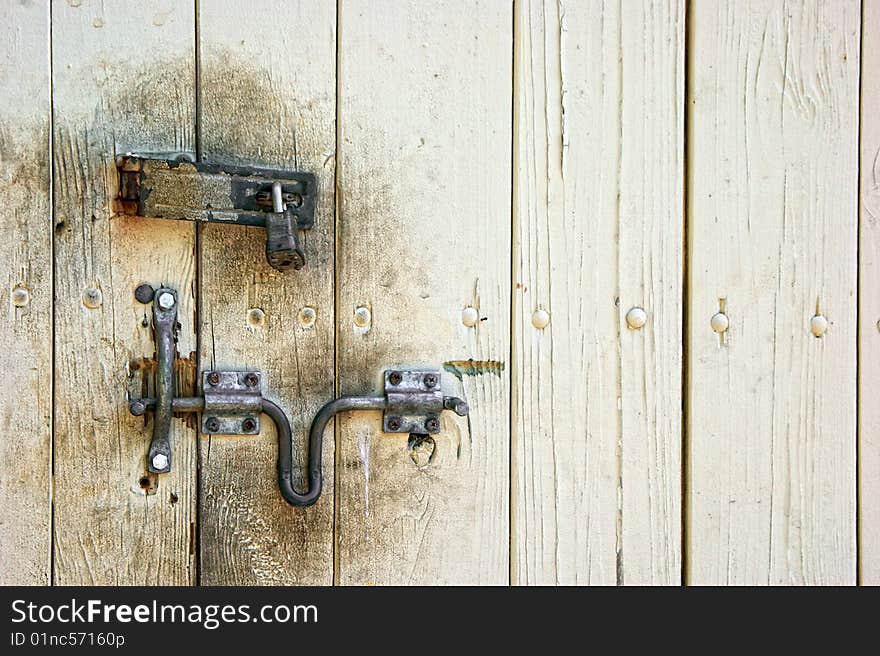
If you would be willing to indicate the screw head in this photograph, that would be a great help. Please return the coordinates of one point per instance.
(394, 423)
(540, 318)
(430, 380)
(144, 293)
(719, 322)
(251, 379)
(212, 425)
(395, 377)
(249, 425)
(20, 296)
(470, 316)
(92, 298)
(636, 318)
(432, 424)
(166, 300)
(213, 378)
(160, 461)
(137, 407)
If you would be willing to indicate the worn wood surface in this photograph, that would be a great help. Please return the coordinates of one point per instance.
(25, 332)
(869, 301)
(423, 233)
(267, 96)
(598, 228)
(524, 158)
(112, 527)
(772, 176)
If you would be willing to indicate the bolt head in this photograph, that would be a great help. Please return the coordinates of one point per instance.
(249, 425)
(160, 461)
(719, 322)
(166, 300)
(137, 408)
(251, 380)
(213, 378)
(395, 377)
(430, 380)
(636, 318)
(20, 296)
(394, 423)
(144, 293)
(212, 425)
(461, 409)
(432, 424)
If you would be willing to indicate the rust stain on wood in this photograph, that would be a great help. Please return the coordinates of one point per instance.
(461, 368)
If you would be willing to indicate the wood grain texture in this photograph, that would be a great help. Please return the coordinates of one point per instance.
(123, 78)
(268, 90)
(869, 301)
(772, 176)
(424, 231)
(26, 333)
(598, 135)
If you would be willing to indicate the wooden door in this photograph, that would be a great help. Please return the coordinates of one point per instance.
(638, 237)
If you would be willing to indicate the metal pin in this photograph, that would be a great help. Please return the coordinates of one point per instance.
(277, 202)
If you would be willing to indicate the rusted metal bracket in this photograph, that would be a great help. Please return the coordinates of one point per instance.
(281, 201)
(232, 401)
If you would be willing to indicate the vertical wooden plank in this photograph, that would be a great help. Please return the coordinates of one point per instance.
(268, 90)
(869, 301)
(598, 225)
(424, 179)
(773, 157)
(26, 334)
(123, 77)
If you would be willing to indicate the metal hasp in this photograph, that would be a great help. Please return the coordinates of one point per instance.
(278, 200)
(412, 403)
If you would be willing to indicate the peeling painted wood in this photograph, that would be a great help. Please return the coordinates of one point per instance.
(26, 294)
(869, 301)
(113, 525)
(424, 232)
(597, 220)
(772, 193)
(268, 98)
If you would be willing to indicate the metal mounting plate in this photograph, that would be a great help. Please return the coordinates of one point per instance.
(414, 401)
(233, 402)
(217, 193)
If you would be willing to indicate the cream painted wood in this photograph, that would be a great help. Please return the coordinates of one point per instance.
(268, 96)
(772, 189)
(869, 301)
(26, 332)
(123, 79)
(424, 234)
(598, 225)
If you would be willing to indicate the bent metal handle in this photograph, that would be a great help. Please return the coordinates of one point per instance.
(316, 443)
